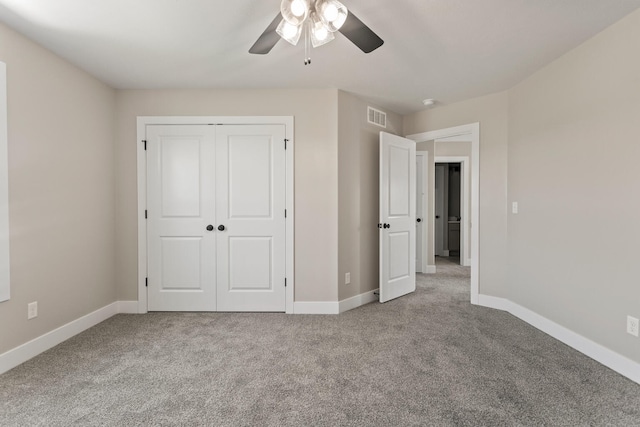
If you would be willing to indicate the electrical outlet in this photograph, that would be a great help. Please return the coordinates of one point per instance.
(514, 207)
(32, 310)
(347, 278)
(632, 326)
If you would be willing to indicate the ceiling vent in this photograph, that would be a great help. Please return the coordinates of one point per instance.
(376, 117)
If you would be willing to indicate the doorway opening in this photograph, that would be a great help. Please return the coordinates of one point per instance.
(469, 221)
(451, 208)
(448, 196)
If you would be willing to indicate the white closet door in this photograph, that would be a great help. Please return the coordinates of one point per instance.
(180, 205)
(397, 216)
(250, 230)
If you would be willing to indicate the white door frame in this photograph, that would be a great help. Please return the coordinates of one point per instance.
(142, 123)
(440, 205)
(464, 203)
(467, 133)
(423, 160)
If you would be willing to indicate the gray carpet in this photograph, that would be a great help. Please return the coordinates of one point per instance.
(426, 359)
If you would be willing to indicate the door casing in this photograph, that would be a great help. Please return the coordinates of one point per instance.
(142, 123)
(422, 210)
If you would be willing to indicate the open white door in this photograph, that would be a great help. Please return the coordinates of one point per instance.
(397, 216)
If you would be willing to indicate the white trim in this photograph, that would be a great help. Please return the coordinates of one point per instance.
(464, 202)
(493, 302)
(26, 351)
(470, 133)
(609, 358)
(5, 277)
(316, 307)
(127, 307)
(142, 205)
(423, 156)
(357, 301)
(290, 230)
(142, 123)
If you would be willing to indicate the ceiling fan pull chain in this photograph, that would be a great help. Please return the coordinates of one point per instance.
(307, 57)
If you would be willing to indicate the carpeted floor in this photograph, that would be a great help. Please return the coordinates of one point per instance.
(426, 359)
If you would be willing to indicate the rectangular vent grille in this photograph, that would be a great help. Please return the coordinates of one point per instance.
(376, 117)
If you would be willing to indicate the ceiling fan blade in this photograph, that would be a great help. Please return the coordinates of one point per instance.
(359, 34)
(268, 39)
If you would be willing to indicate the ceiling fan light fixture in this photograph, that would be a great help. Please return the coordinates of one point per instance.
(319, 33)
(332, 13)
(295, 11)
(290, 33)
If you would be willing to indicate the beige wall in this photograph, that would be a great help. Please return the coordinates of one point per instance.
(316, 173)
(61, 191)
(492, 112)
(358, 202)
(573, 154)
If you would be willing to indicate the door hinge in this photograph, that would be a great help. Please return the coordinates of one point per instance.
(285, 282)
(285, 143)
(145, 214)
(285, 213)
(145, 144)
(146, 282)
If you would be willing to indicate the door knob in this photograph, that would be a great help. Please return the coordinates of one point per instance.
(386, 226)
(209, 227)
(437, 216)
(419, 220)
(221, 227)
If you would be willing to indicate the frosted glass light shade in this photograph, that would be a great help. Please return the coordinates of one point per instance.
(295, 11)
(319, 33)
(289, 32)
(332, 13)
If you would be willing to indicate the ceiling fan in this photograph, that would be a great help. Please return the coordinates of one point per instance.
(316, 21)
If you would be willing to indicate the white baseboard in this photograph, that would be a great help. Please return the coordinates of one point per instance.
(467, 262)
(494, 302)
(609, 358)
(26, 351)
(330, 307)
(128, 307)
(316, 307)
(357, 301)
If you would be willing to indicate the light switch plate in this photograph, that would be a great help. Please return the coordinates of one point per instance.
(514, 207)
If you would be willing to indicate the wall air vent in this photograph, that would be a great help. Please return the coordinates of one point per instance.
(376, 117)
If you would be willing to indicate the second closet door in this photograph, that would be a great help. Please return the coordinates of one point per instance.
(250, 205)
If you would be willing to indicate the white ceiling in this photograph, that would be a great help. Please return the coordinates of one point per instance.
(449, 50)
